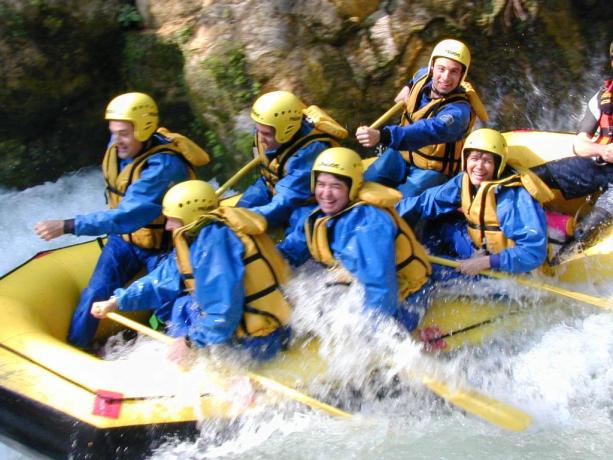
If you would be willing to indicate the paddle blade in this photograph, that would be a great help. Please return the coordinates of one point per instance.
(495, 412)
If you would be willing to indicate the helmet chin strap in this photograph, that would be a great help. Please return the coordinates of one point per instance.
(435, 94)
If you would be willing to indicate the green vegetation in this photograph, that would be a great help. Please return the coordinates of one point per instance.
(64, 60)
(229, 69)
(128, 16)
(213, 146)
(183, 35)
(59, 66)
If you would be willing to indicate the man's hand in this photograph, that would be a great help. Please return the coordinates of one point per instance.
(179, 351)
(49, 229)
(368, 137)
(100, 309)
(584, 146)
(474, 265)
(607, 153)
(403, 94)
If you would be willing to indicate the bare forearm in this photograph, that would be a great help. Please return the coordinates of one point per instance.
(584, 147)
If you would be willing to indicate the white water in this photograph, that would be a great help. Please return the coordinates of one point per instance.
(559, 370)
(72, 194)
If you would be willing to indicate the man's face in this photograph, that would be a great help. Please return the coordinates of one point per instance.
(122, 133)
(480, 166)
(332, 194)
(172, 223)
(446, 75)
(266, 136)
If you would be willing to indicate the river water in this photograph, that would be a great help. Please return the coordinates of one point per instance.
(558, 369)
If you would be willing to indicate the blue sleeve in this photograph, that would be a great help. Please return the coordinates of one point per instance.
(448, 125)
(363, 242)
(217, 262)
(257, 194)
(522, 219)
(158, 287)
(294, 246)
(435, 201)
(142, 202)
(294, 189)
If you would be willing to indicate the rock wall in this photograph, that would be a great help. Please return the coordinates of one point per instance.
(57, 57)
(206, 61)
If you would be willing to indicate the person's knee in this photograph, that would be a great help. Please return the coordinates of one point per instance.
(389, 169)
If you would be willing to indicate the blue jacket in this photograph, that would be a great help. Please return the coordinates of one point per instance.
(521, 218)
(292, 191)
(216, 257)
(143, 200)
(449, 124)
(362, 241)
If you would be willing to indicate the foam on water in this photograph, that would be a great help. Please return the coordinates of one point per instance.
(558, 368)
(72, 194)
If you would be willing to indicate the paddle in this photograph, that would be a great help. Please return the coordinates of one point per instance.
(263, 381)
(387, 115)
(237, 176)
(600, 302)
(495, 412)
(256, 161)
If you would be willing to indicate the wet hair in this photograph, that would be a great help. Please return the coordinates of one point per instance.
(346, 180)
(497, 161)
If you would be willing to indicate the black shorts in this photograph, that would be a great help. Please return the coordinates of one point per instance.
(575, 176)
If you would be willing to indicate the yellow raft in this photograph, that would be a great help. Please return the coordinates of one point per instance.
(65, 402)
(448, 325)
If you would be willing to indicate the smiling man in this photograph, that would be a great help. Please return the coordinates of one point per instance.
(441, 107)
(356, 232)
(288, 137)
(501, 226)
(141, 162)
(223, 279)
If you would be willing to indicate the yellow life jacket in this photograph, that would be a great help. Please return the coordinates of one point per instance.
(326, 129)
(445, 158)
(265, 308)
(152, 235)
(480, 210)
(412, 265)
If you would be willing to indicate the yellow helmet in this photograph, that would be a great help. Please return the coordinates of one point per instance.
(281, 110)
(490, 141)
(340, 161)
(189, 200)
(454, 50)
(137, 108)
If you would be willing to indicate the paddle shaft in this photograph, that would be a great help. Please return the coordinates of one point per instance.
(593, 300)
(387, 115)
(237, 176)
(136, 326)
(495, 412)
(256, 161)
(260, 379)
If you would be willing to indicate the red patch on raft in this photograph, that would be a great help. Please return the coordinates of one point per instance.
(107, 403)
(431, 336)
